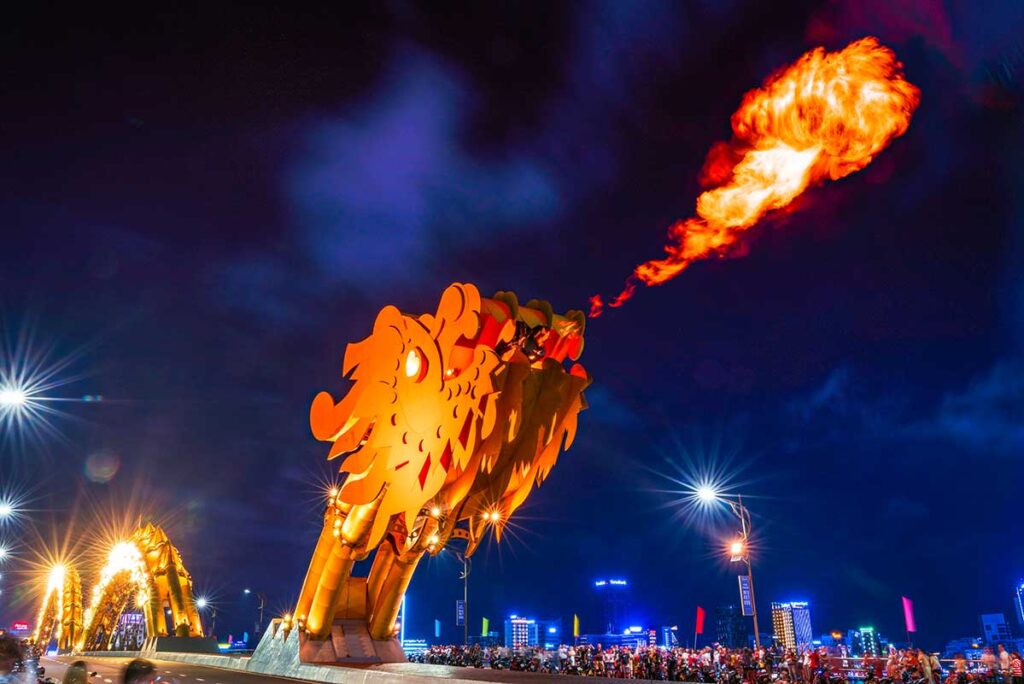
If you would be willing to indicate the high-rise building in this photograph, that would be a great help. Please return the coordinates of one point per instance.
(613, 595)
(866, 642)
(732, 628)
(520, 631)
(994, 629)
(549, 633)
(632, 637)
(791, 622)
(1018, 602)
(969, 647)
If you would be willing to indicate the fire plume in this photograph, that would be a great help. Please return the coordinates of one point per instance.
(823, 117)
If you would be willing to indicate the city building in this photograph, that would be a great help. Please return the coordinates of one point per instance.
(613, 597)
(865, 642)
(994, 629)
(1018, 603)
(970, 647)
(791, 622)
(486, 640)
(21, 629)
(631, 637)
(549, 633)
(732, 627)
(520, 631)
(668, 637)
(414, 646)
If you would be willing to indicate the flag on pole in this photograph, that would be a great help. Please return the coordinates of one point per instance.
(486, 629)
(575, 625)
(700, 621)
(908, 614)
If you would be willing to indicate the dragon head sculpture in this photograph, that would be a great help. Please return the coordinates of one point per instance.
(459, 412)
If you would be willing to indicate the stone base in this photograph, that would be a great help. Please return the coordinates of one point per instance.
(177, 644)
(291, 653)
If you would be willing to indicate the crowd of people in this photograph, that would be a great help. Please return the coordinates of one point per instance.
(734, 666)
(709, 665)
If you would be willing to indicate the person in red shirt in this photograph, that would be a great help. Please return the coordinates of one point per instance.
(1016, 668)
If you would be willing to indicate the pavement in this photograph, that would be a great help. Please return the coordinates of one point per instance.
(110, 670)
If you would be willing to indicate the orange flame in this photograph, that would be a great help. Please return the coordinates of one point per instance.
(824, 117)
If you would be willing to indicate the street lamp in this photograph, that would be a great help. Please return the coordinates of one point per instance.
(259, 607)
(739, 549)
(464, 576)
(706, 494)
(13, 397)
(202, 603)
(3, 553)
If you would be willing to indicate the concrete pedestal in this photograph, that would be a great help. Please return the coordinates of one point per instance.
(291, 654)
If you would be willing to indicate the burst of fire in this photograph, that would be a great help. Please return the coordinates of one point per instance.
(824, 117)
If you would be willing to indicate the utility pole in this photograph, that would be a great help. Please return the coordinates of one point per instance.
(259, 623)
(466, 567)
(744, 515)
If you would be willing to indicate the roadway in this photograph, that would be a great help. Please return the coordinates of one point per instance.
(111, 671)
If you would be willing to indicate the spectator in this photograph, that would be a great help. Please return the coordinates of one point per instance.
(10, 654)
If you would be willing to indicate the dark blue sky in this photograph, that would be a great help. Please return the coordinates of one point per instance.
(207, 203)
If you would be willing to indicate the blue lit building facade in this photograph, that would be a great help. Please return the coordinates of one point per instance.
(791, 623)
(549, 634)
(521, 631)
(732, 628)
(995, 629)
(1018, 602)
(613, 598)
(866, 642)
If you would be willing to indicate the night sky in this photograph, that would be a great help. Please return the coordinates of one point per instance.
(201, 205)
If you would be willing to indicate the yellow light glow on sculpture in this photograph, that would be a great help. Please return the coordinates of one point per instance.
(412, 363)
(56, 579)
(60, 611)
(54, 591)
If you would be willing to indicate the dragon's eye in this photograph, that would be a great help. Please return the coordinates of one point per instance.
(415, 366)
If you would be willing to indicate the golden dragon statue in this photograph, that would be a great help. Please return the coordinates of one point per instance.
(451, 420)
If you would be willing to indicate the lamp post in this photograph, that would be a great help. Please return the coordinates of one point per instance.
(202, 603)
(464, 576)
(259, 607)
(739, 550)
